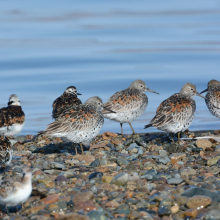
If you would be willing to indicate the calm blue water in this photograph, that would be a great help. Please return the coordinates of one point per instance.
(101, 47)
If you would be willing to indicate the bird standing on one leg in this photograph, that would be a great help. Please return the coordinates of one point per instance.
(129, 104)
(176, 113)
(80, 123)
(65, 101)
(213, 97)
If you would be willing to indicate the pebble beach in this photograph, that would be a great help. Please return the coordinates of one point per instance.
(141, 176)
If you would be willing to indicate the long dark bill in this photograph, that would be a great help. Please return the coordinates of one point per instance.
(109, 109)
(204, 91)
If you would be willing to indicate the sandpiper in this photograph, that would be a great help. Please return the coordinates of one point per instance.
(129, 104)
(80, 123)
(176, 113)
(5, 151)
(12, 118)
(65, 101)
(213, 97)
(15, 191)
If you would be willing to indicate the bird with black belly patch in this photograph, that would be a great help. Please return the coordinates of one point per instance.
(66, 100)
(12, 118)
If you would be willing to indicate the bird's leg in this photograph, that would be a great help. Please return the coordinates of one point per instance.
(17, 208)
(171, 135)
(179, 138)
(81, 148)
(7, 210)
(75, 148)
(121, 129)
(131, 127)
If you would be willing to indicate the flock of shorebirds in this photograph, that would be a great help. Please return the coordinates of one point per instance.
(80, 122)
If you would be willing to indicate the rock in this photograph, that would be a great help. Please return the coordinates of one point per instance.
(120, 147)
(73, 216)
(191, 212)
(149, 175)
(213, 214)
(96, 215)
(200, 191)
(213, 161)
(83, 196)
(120, 180)
(174, 181)
(112, 204)
(164, 160)
(175, 209)
(122, 161)
(203, 143)
(107, 179)
(95, 163)
(197, 202)
(96, 175)
(163, 153)
(55, 165)
(61, 178)
(87, 206)
(132, 146)
(87, 158)
(50, 199)
(20, 139)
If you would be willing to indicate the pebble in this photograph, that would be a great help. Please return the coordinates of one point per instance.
(203, 143)
(198, 202)
(142, 176)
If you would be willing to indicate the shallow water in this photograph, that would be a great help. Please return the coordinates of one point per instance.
(101, 47)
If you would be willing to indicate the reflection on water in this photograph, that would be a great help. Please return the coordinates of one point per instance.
(101, 47)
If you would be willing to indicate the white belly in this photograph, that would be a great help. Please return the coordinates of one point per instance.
(11, 130)
(126, 116)
(18, 198)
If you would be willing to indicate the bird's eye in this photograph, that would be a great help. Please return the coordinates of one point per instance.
(192, 89)
(141, 86)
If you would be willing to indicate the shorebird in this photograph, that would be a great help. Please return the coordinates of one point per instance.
(176, 113)
(5, 151)
(65, 101)
(16, 190)
(80, 123)
(213, 97)
(129, 104)
(12, 118)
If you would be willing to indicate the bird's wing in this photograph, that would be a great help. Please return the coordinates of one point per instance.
(172, 110)
(125, 100)
(64, 102)
(79, 118)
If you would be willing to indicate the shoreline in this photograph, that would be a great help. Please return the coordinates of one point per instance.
(142, 176)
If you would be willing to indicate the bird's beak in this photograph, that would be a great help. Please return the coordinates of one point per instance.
(108, 109)
(204, 91)
(149, 90)
(79, 93)
(200, 95)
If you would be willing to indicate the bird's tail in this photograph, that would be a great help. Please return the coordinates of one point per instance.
(147, 126)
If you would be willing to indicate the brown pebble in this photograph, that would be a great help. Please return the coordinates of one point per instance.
(83, 196)
(198, 202)
(191, 212)
(51, 199)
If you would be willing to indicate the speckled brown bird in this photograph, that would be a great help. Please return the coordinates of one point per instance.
(129, 104)
(213, 97)
(12, 118)
(176, 113)
(65, 101)
(80, 123)
(5, 151)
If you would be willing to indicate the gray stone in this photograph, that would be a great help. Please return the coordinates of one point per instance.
(121, 179)
(95, 163)
(213, 214)
(20, 139)
(132, 146)
(149, 175)
(140, 151)
(164, 160)
(55, 165)
(120, 147)
(103, 162)
(132, 157)
(94, 189)
(163, 153)
(96, 215)
(203, 192)
(174, 181)
(122, 161)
